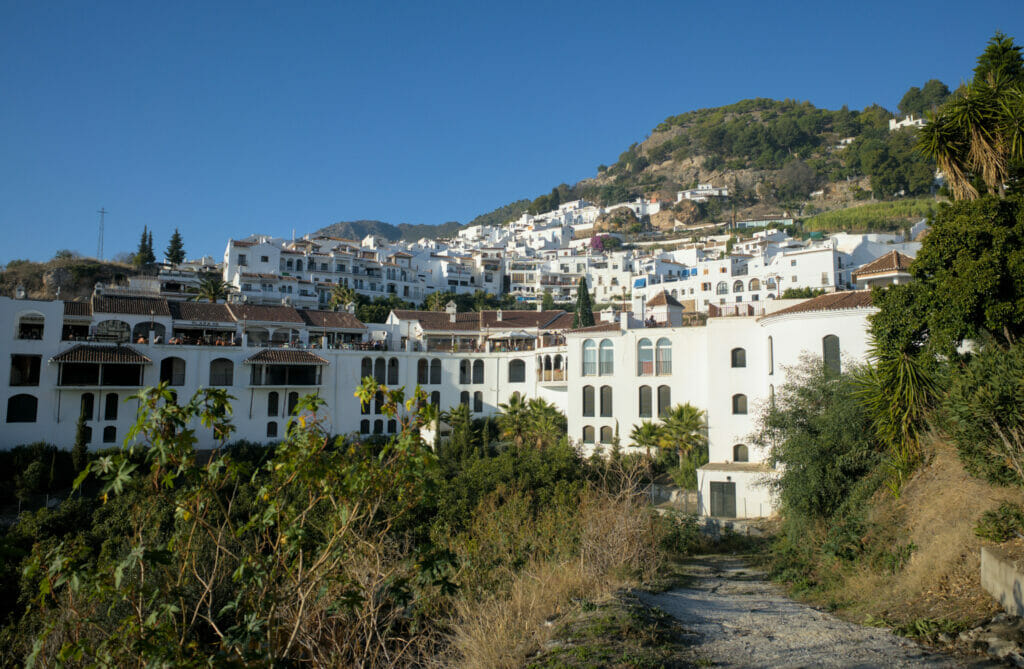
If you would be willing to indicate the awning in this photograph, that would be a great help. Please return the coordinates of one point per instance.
(285, 356)
(640, 283)
(97, 353)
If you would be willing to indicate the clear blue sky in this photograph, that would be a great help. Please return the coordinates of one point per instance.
(229, 118)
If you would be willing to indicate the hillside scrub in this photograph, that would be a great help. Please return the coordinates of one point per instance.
(322, 549)
(874, 217)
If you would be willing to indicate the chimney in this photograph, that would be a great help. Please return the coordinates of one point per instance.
(498, 316)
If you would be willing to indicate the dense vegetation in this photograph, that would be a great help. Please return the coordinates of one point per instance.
(322, 549)
(874, 217)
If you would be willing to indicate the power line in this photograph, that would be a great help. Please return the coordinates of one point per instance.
(99, 251)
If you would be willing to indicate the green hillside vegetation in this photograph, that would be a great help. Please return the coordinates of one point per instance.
(503, 214)
(875, 217)
(75, 275)
(402, 232)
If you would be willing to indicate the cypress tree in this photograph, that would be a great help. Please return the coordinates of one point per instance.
(140, 254)
(80, 451)
(584, 316)
(175, 249)
(150, 255)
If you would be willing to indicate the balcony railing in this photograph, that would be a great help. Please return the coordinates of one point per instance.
(549, 375)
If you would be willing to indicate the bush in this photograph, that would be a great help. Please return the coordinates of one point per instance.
(1001, 524)
(984, 416)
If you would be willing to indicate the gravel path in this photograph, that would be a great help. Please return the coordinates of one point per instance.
(738, 619)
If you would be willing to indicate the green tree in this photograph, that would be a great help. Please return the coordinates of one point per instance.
(646, 435)
(584, 315)
(514, 420)
(212, 289)
(342, 296)
(80, 450)
(547, 302)
(683, 429)
(150, 255)
(175, 249)
(545, 423)
(141, 256)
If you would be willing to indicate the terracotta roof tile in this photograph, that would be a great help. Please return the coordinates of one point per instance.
(472, 321)
(341, 320)
(285, 356)
(265, 314)
(77, 309)
(201, 311)
(850, 299)
(97, 353)
(600, 327)
(663, 299)
(893, 261)
(130, 305)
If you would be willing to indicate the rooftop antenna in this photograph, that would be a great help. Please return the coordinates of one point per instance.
(99, 250)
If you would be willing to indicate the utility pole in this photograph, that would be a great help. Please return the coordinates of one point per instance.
(99, 251)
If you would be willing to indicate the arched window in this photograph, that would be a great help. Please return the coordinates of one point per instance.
(222, 372)
(588, 434)
(478, 371)
(464, 397)
(664, 357)
(645, 402)
(298, 265)
(755, 284)
(465, 373)
(644, 357)
(88, 405)
(30, 326)
(435, 371)
(722, 288)
(737, 286)
(364, 426)
(739, 357)
(771, 356)
(664, 400)
(293, 401)
(830, 353)
(113, 331)
(606, 355)
(379, 373)
(422, 372)
(589, 358)
(435, 398)
(271, 429)
(143, 329)
(273, 402)
(22, 409)
(392, 426)
(771, 394)
(770, 283)
(110, 407)
(588, 401)
(516, 371)
(478, 402)
(109, 434)
(392, 371)
(366, 368)
(606, 435)
(378, 402)
(606, 401)
(740, 454)
(172, 371)
(739, 404)
(378, 426)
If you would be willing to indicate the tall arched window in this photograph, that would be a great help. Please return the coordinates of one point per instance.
(271, 429)
(435, 398)
(664, 400)
(222, 372)
(645, 402)
(516, 371)
(606, 401)
(273, 401)
(588, 401)
(770, 283)
(465, 372)
(378, 402)
(392, 426)
(589, 358)
(755, 284)
(588, 434)
(722, 288)
(392, 371)
(464, 397)
(739, 357)
(737, 286)
(664, 357)
(172, 371)
(606, 435)
(22, 409)
(364, 426)
(366, 368)
(830, 353)
(30, 326)
(109, 434)
(422, 372)
(771, 356)
(378, 426)
(739, 404)
(478, 371)
(435, 371)
(740, 454)
(606, 358)
(478, 401)
(88, 406)
(293, 401)
(644, 357)
(110, 407)
(380, 371)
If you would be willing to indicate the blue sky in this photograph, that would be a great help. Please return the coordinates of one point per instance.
(228, 118)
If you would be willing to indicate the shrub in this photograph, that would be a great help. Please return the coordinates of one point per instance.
(1001, 524)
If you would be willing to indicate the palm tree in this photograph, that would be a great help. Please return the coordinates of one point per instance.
(514, 419)
(683, 429)
(212, 289)
(646, 436)
(341, 296)
(545, 423)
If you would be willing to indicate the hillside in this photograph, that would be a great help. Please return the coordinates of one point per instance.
(74, 277)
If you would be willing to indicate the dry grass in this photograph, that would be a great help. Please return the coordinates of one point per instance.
(937, 511)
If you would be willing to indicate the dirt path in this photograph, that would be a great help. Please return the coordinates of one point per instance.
(739, 619)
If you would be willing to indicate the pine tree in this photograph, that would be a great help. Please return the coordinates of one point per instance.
(584, 316)
(175, 249)
(150, 255)
(141, 254)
